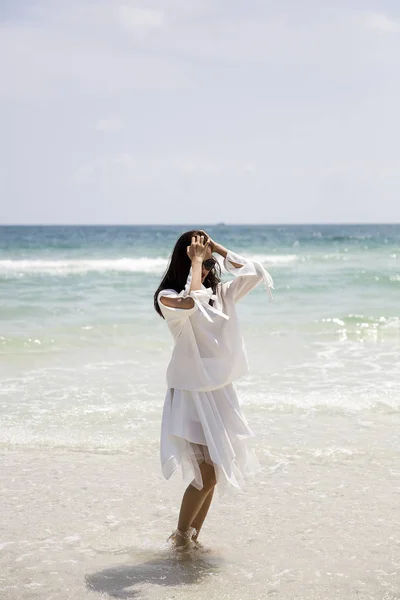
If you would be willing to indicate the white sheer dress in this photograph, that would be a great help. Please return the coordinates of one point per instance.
(202, 418)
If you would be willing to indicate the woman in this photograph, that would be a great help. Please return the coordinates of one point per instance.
(203, 428)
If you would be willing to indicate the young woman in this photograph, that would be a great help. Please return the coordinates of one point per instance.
(203, 428)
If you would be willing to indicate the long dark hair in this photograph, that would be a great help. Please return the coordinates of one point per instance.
(179, 266)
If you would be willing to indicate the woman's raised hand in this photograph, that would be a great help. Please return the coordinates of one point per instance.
(198, 247)
(215, 246)
(211, 241)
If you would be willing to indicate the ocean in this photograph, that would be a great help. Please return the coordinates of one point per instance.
(83, 355)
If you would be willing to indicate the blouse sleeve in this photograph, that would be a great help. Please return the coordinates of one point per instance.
(247, 277)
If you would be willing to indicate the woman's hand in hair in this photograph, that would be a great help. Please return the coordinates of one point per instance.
(197, 253)
(210, 240)
(215, 247)
(198, 248)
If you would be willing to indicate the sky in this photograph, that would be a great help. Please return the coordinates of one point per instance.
(182, 111)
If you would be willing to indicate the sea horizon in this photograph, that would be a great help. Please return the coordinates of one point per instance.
(214, 224)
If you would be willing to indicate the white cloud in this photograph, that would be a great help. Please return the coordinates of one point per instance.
(380, 22)
(140, 19)
(220, 100)
(107, 169)
(193, 166)
(37, 60)
(109, 125)
(130, 168)
(203, 167)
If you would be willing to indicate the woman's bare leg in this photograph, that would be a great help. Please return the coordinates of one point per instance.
(193, 500)
(198, 521)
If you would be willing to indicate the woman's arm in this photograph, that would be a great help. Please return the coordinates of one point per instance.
(197, 266)
(196, 252)
(184, 303)
(219, 249)
(248, 274)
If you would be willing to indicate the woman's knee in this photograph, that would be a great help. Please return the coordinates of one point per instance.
(208, 476)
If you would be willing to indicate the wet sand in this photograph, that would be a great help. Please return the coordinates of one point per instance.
(320, 525)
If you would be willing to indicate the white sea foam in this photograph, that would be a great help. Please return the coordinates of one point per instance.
(70, 266)
(274, 259)
(143, 264)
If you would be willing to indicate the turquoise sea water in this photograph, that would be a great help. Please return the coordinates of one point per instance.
(57, 278)
(75, 298)
(87, 291)
(83, 356)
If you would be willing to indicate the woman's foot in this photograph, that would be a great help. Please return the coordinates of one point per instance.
(182, 540)
(196, 544)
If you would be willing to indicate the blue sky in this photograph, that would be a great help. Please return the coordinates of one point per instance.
(176, 111)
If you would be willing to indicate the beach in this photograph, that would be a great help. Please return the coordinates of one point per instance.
(86, 511)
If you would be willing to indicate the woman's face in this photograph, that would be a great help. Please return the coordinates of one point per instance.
(204, 271)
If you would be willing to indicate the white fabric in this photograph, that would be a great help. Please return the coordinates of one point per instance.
(201, 405)
(212, 419)
(209, 351)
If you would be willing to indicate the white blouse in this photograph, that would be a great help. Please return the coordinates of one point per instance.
(209, 351)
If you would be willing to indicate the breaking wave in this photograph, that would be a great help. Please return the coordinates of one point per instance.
(15, 268)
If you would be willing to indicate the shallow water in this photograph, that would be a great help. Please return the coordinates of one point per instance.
(82, 365)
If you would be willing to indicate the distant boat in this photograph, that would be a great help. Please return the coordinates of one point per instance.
(220, 225)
